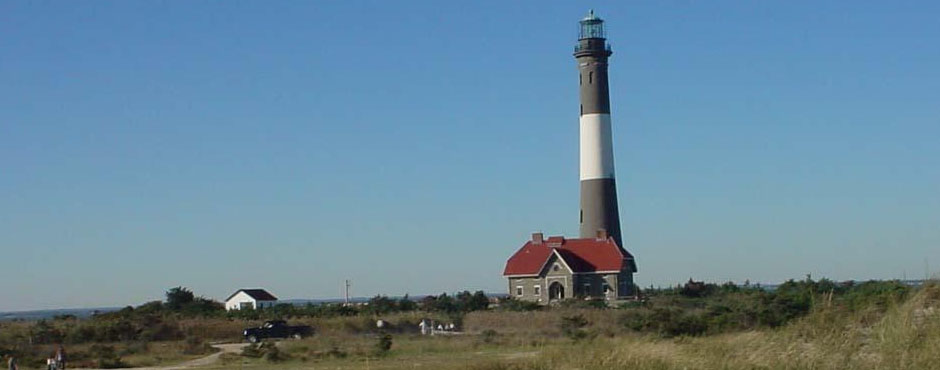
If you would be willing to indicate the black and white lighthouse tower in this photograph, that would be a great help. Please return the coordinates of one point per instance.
(598, 187)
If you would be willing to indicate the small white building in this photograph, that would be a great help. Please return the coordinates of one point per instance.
(250, 299)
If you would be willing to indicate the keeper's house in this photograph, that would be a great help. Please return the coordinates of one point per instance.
(252, 299)
(554, 269)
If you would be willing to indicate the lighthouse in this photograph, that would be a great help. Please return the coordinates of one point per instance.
(595, 265)
(598, 186)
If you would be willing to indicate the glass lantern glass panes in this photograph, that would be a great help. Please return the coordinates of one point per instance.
(592, 29)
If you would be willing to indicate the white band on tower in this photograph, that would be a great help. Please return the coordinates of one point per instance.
(597, 152)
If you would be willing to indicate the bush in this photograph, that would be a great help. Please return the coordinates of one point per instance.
(194, 345)
(573, 326)
(587, 304)
(161, 331)
(510, 304)
(383, 345)
(105, 357)
(178, 297)
(266, 350)
(635, 320)
(135, 348)
(274, 354)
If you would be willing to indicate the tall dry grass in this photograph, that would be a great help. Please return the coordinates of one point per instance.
(901, 336)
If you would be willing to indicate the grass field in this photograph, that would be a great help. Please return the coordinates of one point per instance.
(866, 328)
(902, 336)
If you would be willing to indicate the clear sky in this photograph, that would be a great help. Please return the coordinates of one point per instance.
(412, 147)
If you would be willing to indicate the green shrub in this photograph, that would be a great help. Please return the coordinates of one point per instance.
(582, 303)
(274, 354)
(383, 345)
(105, 357)
(573, 326)
(635, 319)
(517, 305)
(133, 348)
(161, 331)
(266, 350)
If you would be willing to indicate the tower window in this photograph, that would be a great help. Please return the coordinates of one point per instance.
(580, 78)
(591, 77)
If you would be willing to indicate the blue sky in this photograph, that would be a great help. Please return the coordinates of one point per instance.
(413, 146)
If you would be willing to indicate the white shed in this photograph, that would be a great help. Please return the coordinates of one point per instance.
(250, 299)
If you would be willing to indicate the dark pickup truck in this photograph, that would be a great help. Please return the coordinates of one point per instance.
(277, 329)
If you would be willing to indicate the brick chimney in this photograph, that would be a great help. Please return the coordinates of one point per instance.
(537, 238)
(601, 234)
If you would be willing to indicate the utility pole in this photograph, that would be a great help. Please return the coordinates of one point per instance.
(346, 300)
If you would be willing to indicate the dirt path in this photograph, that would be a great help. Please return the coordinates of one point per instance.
(203, 361)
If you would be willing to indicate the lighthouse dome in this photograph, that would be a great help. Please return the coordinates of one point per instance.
(592, 27)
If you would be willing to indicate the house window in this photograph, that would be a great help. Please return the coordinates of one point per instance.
(538, 290)
(606, 288)
(587, 288)
(519, 291)
(555, 267)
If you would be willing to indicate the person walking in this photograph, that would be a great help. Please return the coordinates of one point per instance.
(60, 358)
(12, 364)
(425, 327)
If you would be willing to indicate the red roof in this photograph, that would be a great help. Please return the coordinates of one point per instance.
(582, 255)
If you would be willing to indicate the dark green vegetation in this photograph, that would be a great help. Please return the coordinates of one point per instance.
(697, 308)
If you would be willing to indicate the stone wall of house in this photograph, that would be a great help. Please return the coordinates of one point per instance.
(596, 285)
(523, 288)
(537, 288)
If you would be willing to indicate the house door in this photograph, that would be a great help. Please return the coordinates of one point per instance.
(556, 291)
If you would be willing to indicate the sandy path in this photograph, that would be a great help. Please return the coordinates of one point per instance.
(203, 361)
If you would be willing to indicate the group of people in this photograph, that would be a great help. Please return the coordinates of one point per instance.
(56, 362)
(428, 327)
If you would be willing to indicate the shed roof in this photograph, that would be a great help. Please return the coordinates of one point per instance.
(257, 294)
